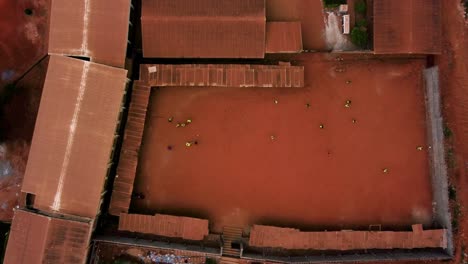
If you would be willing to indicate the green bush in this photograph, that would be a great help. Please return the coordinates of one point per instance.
(359, 37)
(447, 131)
(450, 158)
(456, 214)
(361, 23)
(334, 3)
(452, 193)
(466, 7)
(360, 7)
(210, 261)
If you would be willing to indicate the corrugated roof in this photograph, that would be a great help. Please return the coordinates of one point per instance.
(223, 75)
(126, 170)
(74, 136)
(36, 238)
(308, 12)
(289, 238)
(94, 29)
(283, 37)
(203, 28)
(414, 27)
(165, 225)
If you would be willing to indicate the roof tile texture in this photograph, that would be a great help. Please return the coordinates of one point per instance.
(203, 28)
(37, 238)
(74, 136)
(414, 27)
(126, 170)
(223, 75)
(289, 238)
(283, 37)
(94, 29)
(165, 225)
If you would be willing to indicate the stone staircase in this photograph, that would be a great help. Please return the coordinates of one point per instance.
(231, 234)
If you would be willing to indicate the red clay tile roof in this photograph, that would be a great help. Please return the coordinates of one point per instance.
(165, 225)
(308, 12)
(223, 75)
(36, 238)
(283, 37)
(203, 28)
(94, 29)
(289, 238)
(126, 170)
(74, 136)
(412, 27)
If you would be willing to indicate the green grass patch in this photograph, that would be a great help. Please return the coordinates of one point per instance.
(450, 158)
(360, 37)
(361, 23)
(448, 133)
(456, 214)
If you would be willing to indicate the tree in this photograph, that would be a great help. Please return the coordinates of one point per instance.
(360, 7)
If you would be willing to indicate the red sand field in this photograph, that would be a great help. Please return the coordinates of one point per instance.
(261, 162)
(453, 65)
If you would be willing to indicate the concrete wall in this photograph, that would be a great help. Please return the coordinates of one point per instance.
(438, 167)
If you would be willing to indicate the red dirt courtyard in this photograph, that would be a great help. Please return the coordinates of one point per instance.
(262, 157)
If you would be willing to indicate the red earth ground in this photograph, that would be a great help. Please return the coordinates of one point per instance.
(258, 161)
(17, 118)
(23, 38)
(23, 42)
(453, 65)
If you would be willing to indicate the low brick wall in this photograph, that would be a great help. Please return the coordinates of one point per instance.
(165, 225)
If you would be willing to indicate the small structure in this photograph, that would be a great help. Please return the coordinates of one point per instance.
(343, 9)
(346, 24)
(414, 27)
